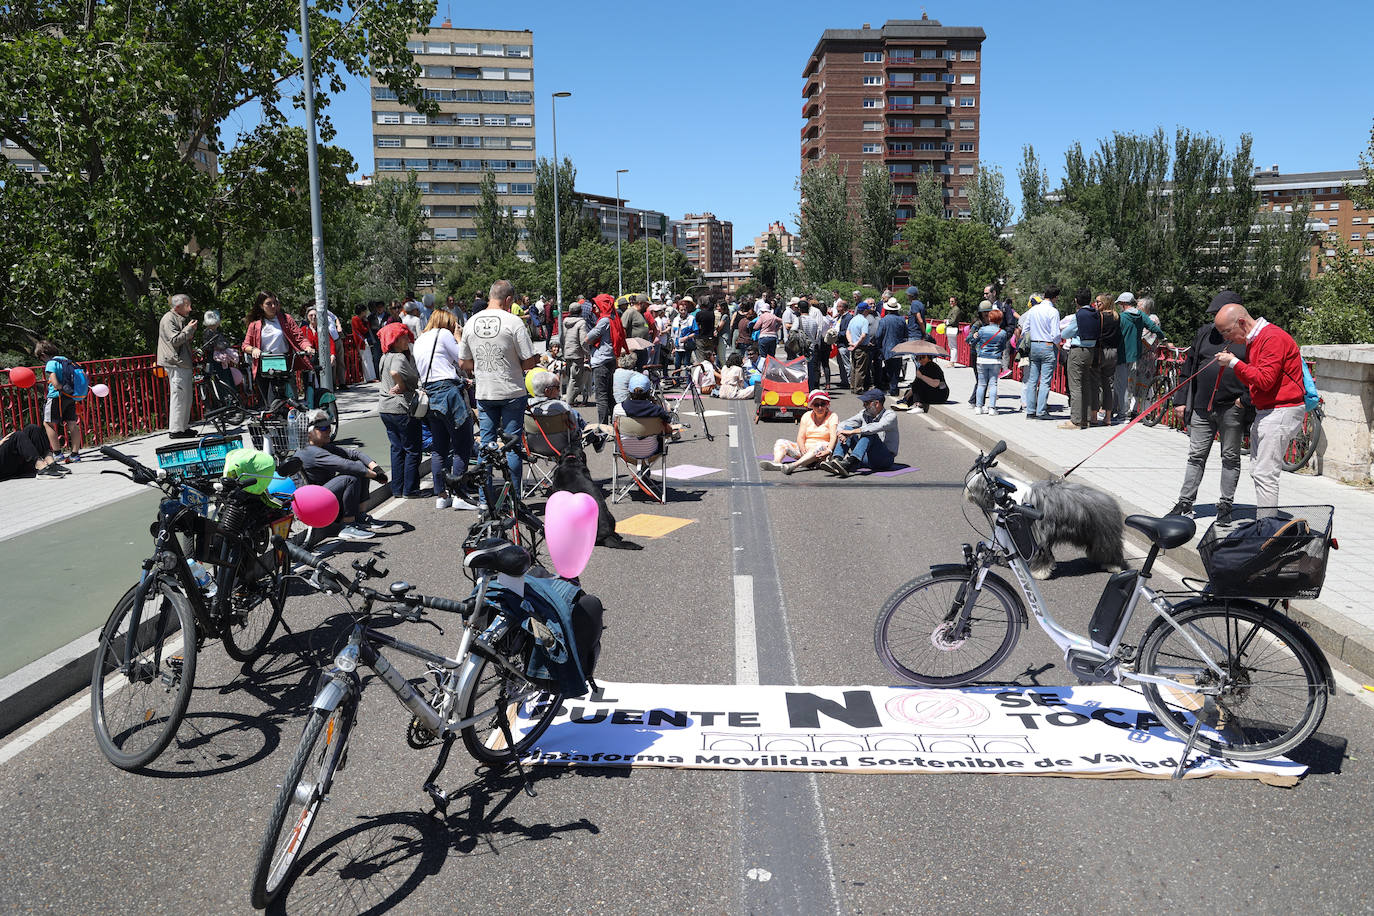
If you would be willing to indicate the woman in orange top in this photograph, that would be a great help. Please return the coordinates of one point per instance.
(815, 438)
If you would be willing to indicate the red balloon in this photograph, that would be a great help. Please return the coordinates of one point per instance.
(22, 377)
(315, 506)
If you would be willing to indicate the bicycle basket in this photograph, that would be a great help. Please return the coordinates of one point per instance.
(281, 436)
(1280, 554)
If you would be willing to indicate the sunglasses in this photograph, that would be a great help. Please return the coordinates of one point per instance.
(323, 426)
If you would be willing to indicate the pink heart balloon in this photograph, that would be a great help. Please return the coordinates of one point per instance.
(315, 506)
(570, 531)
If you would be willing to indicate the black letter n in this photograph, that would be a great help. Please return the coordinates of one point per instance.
(857, 710)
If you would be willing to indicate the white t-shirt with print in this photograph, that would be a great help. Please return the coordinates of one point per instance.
(497, 343)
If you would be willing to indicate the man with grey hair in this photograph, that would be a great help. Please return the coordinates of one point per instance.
(497, 350)
(174, 336)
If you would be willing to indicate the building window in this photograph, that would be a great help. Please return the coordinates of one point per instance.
(494, 120)
(873, 80)
(873, 103)
(968, 55)
(1354, 236)
(873, 148)
(388, 142)
(947, 170)
(493, 73)
(927, 145)
(965, 170)
(947, 147)
(467, 120)
(388, 117)
(517, 51)
(388, 165)
(966, 101)
(1331, 221)
(521, 144)
(965, 125)
(967, 79)
(495, 143)
(929, 54)
(419, 165)
(949, 54)
(873, 57)
(466, 48)
(383, 94)
(441, 142)
(522, 121)
(493, 50)
(416, 119)
(1333, 205)
(873, 125)
(963, 192)
(948, 77)
(928, 77)
(927, 122)
(517, 74)
(902, 54)
(965, 147)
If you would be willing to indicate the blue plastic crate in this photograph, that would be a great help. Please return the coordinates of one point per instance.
(198, 459)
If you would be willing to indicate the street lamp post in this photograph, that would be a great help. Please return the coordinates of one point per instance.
(557, 223)
(619, 268)
(316, 220)
(644, 225)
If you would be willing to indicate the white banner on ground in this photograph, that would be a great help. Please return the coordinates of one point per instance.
(1104, 732)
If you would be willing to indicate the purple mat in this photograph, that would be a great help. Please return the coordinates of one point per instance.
(897, 471)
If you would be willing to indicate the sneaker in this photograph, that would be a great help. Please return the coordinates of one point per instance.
(1185, 507)
(843, 468)
(443, 502)
(354, 533)
(1069, 424)
(789, 468)
(367, 521)
(462, 504)
(72, 458)
(770, 466)
(1223, 513)
(52, 470)
(182, 434)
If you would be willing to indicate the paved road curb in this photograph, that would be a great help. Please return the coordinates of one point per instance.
(1338, 635)
(39, 686)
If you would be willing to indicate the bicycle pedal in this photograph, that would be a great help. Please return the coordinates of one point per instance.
(438, 796)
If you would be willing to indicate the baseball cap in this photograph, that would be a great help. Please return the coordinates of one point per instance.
(861, 307)
(640, 382)
(794, 300)
(318, 417)
(873, 394)
(1128, 298)
(985, 306)
(817, 395)
(1223, 298)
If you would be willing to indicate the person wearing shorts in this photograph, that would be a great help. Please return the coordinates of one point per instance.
(59, 410)
(816, 437)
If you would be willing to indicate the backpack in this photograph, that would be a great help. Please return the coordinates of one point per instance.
(576, 618)
(1311, 397)
(71, 378)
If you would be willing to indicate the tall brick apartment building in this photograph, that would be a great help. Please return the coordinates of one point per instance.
(906, 95)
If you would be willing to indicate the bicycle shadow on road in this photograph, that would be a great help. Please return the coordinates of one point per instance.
(214, 743)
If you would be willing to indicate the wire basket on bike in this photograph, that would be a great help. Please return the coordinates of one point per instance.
(1269, 553)
(281, 436)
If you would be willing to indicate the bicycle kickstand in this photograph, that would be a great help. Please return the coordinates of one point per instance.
(1188, 746)
(438, 795)
(510, 743)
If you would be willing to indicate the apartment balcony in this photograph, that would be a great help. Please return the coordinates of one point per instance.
(810, 107)
(920, 155)
(937, 132)
(811, 88)
(811, 131)
(915, 63)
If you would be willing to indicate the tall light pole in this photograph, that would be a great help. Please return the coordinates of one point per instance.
(316, 220)
(619, 268)
(644, 225)
(557, 223)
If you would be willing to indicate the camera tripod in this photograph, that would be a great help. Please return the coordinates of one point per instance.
(689, 387)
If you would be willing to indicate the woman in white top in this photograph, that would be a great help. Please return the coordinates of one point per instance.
(449, 419)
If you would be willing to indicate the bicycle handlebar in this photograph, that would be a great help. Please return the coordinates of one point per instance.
(128, 461)
(316, 562)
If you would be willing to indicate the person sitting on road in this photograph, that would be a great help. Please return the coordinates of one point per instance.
(27, 453)
(342, 471)
(753, 364)
(817, 436)
(928, 387)
(867, 439)
(734, 384)
(705, 375)
(641, 404)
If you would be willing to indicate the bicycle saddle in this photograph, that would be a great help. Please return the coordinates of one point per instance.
(499, 555)
(1167, 532)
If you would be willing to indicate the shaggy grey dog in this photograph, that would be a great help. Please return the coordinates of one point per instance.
(1074, 513)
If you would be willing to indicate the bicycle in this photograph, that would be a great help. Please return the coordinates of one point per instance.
(141, 679)
(221, 405)
(1304, 445)
(1162, 394)
(476, 694)
(502, 512)
(1237, 666)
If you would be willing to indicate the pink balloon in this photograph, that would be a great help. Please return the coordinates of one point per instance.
(570, 531)
(315, 506)
(22, 377)
(100, 391)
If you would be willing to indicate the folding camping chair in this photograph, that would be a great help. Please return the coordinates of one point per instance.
(640, 446)
(547, 438)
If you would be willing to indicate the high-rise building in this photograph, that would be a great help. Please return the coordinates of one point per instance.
(1333, 215)
(748, 256)
(483, 81)
(708, 243)
(635, 222)
(907, 96)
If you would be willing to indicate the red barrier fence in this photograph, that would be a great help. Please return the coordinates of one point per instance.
(136, 405)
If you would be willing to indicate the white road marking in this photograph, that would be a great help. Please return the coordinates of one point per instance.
(746, 643)
(388, 507)
(733, 436)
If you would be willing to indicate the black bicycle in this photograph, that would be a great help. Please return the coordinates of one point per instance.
(145, 665)
(502, 512)
(221, 404)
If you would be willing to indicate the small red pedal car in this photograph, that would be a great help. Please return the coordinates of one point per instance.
(781, 392)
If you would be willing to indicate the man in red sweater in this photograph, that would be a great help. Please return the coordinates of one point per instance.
(1272, 370)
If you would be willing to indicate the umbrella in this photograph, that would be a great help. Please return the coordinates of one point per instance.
(919, 348)
(637, 343)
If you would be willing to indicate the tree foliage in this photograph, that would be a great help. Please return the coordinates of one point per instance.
(118, 100)
(827, 235)
(774, 270)
(1341, 298)
(930, 195)
(987, 199)
(1054, 248)
(498, 233)
(952, 258)
(1035, 183)
(878, 256)
(575, 227)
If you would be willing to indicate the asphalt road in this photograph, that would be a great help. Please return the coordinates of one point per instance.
(77, 835)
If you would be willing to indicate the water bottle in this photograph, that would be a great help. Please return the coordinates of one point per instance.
(202, 577)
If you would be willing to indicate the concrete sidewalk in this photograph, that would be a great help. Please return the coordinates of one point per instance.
(1144, 470)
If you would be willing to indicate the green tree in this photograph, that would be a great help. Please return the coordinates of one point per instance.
(930, 195)
(498, 234)
(1053, 248)
(827, 235)
(774, 269)
(987, 199)
(119, 101)
(952, 258)
(878, 256)
(1341, 298)
(1035, 183)
(1363, 195)
(575, 227)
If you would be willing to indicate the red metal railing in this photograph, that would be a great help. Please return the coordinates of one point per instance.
(136, 405)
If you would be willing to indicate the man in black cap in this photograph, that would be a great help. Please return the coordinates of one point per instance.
(1215, 402)
(867, 439)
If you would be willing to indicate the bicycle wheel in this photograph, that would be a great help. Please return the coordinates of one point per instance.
(489, 686)
(321, 751)
(137, 708)
(1162, 385)
(915, 637)
(1304, 445)
(1272, 691)
(252, 612)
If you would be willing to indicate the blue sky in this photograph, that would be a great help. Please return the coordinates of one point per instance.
(702, 101)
